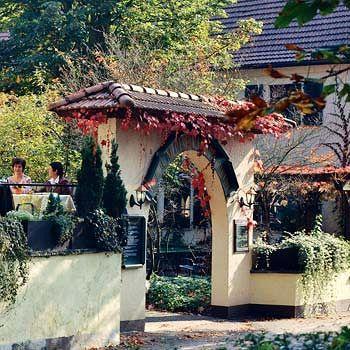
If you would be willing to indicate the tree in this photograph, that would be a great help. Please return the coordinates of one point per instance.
(305, 10)
(44, 35)
(29, 131)
(114, 192)
(338, 142)
(274, 159)
(90, 179)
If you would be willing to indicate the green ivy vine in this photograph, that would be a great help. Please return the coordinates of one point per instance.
(14, 259)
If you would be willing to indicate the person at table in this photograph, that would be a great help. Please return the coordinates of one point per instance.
(18, 177)
(56, 178)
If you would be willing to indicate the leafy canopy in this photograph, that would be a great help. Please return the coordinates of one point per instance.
(304, 11)
(45, 34)
(29, 131)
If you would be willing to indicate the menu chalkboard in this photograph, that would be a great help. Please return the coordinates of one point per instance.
(134, 252)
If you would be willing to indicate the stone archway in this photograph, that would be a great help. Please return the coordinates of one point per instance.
(229, 281)
(143, 156)
(180, 144)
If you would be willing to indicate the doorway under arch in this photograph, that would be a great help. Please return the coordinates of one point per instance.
(221, 183)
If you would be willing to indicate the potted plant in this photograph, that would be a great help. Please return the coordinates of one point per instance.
(38, 231)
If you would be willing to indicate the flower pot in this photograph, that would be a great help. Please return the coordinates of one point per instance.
(82, 238)
(285, 260)
(39, 234)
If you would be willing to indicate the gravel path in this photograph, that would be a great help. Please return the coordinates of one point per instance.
(189, 332)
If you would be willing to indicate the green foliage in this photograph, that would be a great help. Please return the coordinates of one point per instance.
(179, 293)
(90, 179)
(172, 45)
(29, 131)
(108, 232)
(310, 341)
(114, 192)
(63, 223)
(54, 205)
(305, 11)
(14, 258)
(342, 340)
(44, 34)
(21, 215)
(262, 253)
(321, 255)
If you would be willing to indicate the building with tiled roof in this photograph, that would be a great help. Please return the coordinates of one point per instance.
(269, 47)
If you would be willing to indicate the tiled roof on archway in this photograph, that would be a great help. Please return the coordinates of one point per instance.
(110, 94)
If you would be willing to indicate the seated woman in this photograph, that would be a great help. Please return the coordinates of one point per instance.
(18, 177)
(56, 178)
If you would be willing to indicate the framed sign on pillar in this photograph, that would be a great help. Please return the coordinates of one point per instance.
(134, 253)
(240, 236)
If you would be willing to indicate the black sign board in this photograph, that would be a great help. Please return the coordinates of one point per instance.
(134, 251)
(241, 236)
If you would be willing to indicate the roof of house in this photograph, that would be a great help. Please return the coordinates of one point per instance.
(113, 95)
(4, 36)
(268, 48)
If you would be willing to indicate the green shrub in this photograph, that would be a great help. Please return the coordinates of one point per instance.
(108, 232)
(312, 341)
(90, 179)
(63, 223)
(191, 294)
(21, 215)
(342, 340)
(114, 192)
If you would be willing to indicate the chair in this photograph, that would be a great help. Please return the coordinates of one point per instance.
(6, 200)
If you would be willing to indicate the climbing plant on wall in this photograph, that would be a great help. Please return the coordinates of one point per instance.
(14, 259)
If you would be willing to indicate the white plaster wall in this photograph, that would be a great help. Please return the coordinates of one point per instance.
(286, 289)
(242, 157)
(75, 295)
(317, 135)
(274, 289)
(230, 271)
(259, 76)
(135, 154)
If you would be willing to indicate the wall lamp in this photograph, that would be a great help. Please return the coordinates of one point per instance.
(140, 197)
(249, 198)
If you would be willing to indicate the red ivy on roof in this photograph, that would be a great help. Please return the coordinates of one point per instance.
(240, 119)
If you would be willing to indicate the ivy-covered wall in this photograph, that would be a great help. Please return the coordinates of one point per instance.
(72, 302)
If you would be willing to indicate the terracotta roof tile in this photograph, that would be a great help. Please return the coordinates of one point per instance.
(112, 94)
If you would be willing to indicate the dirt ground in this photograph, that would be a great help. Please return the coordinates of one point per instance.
(188, 332)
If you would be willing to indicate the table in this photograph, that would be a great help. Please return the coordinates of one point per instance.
(40, 200)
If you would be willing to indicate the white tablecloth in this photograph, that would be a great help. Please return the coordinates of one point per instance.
(40, 200)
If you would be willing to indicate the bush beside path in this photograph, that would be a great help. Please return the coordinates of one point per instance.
(170, 331)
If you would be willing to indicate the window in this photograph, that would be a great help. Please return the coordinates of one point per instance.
(314, 89)
(251, 90)
(279, 91)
